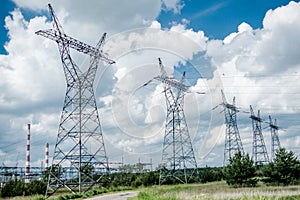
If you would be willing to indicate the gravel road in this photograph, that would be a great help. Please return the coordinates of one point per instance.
(116, 196)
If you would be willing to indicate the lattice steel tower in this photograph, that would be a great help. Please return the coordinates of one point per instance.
(233, 142)
(79, 160)
(259, 151)
(275, 143)
(177, 155)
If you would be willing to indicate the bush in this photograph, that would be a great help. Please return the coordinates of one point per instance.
(240, 171)
(210, 174)
(36, 187)
(19, 188)
(284, 170)
(150, 178)
(137, 183)
(13, 188)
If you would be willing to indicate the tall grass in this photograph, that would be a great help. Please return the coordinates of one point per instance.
(208, 191)
(62, 195)
(217, 190)
(33, 197)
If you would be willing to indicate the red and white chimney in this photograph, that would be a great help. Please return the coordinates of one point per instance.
(27, 169)
(47, 156)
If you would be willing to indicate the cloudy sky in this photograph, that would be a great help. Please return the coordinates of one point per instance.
(247, 48)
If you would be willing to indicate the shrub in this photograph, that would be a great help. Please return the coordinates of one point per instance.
(284, 170)
(240, 171)
(138, 182)
(36, 187)
(13, 188)
(19, 188)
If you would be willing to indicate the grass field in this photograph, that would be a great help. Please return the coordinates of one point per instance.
(34, 197)
(217, 190)
(64, 194)
(208, 191)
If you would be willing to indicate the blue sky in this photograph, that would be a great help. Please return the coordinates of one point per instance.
(216, 18)
(220, 18)
(5, 8)
(221, 45)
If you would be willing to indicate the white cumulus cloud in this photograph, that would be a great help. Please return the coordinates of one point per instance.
(258, 66)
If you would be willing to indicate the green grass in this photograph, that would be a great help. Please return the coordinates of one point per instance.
(218, 190)
(208, 191)
(64, 194)
(33, 197)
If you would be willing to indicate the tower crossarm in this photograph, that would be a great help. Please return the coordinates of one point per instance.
(225, 104)
(273, 126)
(172, 82)
(57, 34)
(255, 118)
(75, 44)
(230, 106)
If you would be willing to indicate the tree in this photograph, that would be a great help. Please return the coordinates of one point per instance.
(209, 174)
(87, 171)
(240, 171)
(284, 170)
(13, 188)
(56, 170)
(16, 187)
(150, 178)
(36, 187)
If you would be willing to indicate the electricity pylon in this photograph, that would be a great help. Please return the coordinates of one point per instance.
(259, 151)
(275, 143)
(178, 159)
(233, 142)
(79, 160)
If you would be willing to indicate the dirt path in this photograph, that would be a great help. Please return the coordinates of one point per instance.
(116, 196)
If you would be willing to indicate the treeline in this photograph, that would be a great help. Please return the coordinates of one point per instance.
(283, 170)
(240, 172)
(16, 187)
(126, 178)
(203, 175)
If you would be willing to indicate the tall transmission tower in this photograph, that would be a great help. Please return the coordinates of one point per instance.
(259, 151)
(233, 142)
(178, 160)
(275, 143)
(79, 160)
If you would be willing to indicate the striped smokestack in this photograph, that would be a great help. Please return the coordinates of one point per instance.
(47, 155)
(27, 170)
